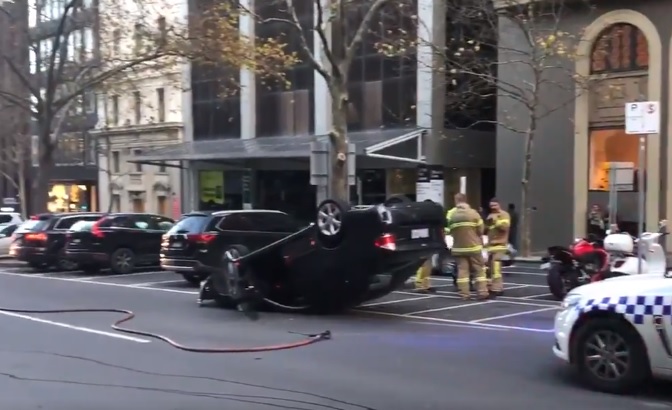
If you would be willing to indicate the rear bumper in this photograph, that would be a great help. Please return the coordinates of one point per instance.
(88, 258)
(32, 254)
(183, 265)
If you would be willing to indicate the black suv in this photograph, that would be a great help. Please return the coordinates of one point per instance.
(119, 241)
(195, 245)
(40, 241)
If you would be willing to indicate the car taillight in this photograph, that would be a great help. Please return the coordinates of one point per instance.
(40, 237)
(203, 238)
(387, 241)
(95, 229)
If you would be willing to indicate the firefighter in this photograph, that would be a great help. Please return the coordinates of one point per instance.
(497, 225)
(466, 227)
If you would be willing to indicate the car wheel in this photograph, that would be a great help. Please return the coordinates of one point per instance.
(560, 282)
(122, 261)
(38, 266)
(610, 356)
(222, 284)
(90, 269)
(63, 263)
(194, 278)
(329, 222)
(397, 199)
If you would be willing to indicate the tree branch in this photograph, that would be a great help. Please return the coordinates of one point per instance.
(351, 48)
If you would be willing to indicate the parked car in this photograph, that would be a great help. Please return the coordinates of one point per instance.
(119, 241)
(10, 218)
(40, 241)
(195, 245)
(6, 233)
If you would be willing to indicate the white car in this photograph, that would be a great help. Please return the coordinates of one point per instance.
(6, 232)
(617, 333)
(10, 218)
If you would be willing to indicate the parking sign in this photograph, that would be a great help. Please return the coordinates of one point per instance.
(642, 117)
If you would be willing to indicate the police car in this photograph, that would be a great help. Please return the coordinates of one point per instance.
(617, 333)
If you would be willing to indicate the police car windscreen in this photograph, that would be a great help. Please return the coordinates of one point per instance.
(5, 219)
(189, 224)
(34, 225)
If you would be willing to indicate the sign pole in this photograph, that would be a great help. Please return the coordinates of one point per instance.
(641, 199)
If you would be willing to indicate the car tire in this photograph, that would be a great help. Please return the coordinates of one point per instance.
(63, 263)
(220, 285)
(625, 339)
(557, 283)
(397, 199)
(194, 278)
(38, 266)
(329, 222)
(122, 261)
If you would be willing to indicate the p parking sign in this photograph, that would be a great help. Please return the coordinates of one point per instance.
(642, 117)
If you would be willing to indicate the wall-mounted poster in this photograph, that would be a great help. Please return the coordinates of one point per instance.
(436, 184)
(211, 187)
(422, 184)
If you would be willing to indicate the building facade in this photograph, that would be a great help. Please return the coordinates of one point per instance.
(251, 148)
(624, 52)
(140, 112)
(73, 182)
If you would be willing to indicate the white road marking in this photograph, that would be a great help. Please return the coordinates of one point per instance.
(119, 285)
(110, 276)
(448, 308)
(536, 296)
(72, 327)
(529, 312)
(445, 322)
(161, 282)
(389, 302)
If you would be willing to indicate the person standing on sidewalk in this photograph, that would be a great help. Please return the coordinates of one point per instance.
(497, 225)
(466, 227)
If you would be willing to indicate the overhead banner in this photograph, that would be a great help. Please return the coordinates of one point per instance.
(211, 187)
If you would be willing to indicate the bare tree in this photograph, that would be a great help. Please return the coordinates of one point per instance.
(68, 60)
(340, 28)
(519, 54)
(15, 157)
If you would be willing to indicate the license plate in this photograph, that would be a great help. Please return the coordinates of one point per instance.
(419, 233)
(176, 245)
(545, 266)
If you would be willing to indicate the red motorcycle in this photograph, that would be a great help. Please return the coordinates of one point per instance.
(583, 262)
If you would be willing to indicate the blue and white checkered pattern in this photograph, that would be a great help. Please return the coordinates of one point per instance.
(634, 308)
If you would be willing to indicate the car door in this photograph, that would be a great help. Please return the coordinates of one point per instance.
(158, 226)
(144, 233)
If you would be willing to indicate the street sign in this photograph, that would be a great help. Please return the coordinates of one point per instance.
(642, 117)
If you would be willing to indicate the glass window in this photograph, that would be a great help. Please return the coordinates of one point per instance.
(189, 224)
(8, 230)
(5, 218)
(236, 223)
(69, 222)
(620, 48)
(82, 226)
(613, 146)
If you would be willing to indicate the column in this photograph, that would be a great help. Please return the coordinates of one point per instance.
(430, 82)
(248, 82)
(321, 95)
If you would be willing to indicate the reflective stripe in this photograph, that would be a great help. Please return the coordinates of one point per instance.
(481, 279)
(463, 280)
(496, 248)
(470, 249)
(502, 222)
(464, 224)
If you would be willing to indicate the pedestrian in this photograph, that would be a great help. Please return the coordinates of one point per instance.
(465, 225)
(513, 230)
(497, 226)
(596, 222)
(424, 273)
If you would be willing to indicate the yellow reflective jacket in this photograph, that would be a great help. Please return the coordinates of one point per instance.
(466, 228)
(498, 225)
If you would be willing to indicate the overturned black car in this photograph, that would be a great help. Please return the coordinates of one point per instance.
(348, 256)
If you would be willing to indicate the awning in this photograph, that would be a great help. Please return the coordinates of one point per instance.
(366, 143)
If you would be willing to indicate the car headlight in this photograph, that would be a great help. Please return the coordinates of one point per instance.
(570, 301)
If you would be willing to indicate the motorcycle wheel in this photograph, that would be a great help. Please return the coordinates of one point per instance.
(561, 280)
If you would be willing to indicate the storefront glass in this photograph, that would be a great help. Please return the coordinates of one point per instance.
(72, 197)
(220, 190)
(402, 181)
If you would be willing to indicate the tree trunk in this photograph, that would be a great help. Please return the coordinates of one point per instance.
(41, 183)
(22, 174)
(338, 136)
(526, 214)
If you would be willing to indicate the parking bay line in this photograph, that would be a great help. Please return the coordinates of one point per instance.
(447, 308)
(529, 312)
(111, 276)
(509, 300)
(119, 285)
(72, 327)
(389, 302)
(161, 282)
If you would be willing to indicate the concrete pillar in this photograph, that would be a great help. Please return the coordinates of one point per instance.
(248, 82)
(430, 81)
(322, 98)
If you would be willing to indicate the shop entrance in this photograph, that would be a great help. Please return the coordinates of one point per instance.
(72, 197)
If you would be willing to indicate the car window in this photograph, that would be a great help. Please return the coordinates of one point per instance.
(34, 225)
(8, 230)
(5, 218)
(121, 222)
(273, 222)
(82, 226)
(236, 222)
(190, 224)
(69, 221)
(161, 223)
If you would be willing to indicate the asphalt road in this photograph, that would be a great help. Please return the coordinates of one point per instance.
(406, 351)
